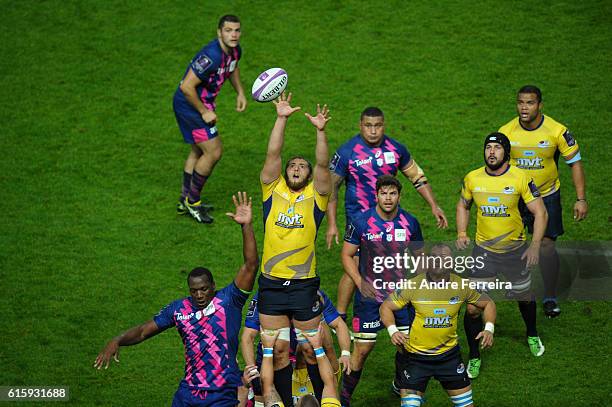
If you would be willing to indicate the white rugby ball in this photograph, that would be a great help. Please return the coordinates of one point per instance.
(269, 85)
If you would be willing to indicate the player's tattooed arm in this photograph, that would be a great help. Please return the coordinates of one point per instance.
(332, 208)
(463, 219)
(415, 174)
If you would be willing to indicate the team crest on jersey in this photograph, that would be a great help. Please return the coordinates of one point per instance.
(544, 144)
(454, 300)
(389, 237)
(569, 138)
(299, 198)
(380, 162)
(201, 63)
(198, 315)
(509, 190)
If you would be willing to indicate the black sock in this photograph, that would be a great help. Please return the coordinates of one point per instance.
(349, 383)
(186, 185)
(528, 311)
(549, 267)
(283, 380)
(472, 327)
(315, 379)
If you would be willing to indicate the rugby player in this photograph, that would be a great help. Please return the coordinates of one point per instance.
(294, 204)
(287, 342)
(194, 108)
(358, 163)
(208, 322)
(537, 142)
(431, 348)
(329, 396)
(496, 189)
(382, 231)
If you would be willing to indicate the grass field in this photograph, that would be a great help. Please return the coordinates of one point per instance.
(92, 159)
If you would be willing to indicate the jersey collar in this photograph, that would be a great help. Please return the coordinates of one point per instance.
(537, 127)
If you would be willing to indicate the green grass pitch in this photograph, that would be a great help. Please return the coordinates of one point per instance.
(92, 159)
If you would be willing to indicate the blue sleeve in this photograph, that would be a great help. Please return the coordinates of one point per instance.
(204, 63)
(352, 234)
(252, 316)
(234, 296)
(404, 155)
(165, 318)
(330, 313)
(339, 162)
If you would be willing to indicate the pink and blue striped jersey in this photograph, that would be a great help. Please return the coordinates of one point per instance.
(212, 66)
(379, 239)
(360, 165)
(210, 337)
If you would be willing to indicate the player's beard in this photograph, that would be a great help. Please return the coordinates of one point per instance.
(297, 186)
(495, 167)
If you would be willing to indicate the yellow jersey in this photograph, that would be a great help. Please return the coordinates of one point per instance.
(301, 384)
(537, 151)
(434, 330)
(499, 226)
(291, 221)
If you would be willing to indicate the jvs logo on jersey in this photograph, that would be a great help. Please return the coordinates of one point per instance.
(289, 220)
(494, 211)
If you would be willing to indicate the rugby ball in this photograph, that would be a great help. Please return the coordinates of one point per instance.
(269, 85)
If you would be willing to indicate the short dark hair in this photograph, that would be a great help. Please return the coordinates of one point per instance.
(308, 400)
(388, 181)
(295, 157)
(531, 89)
(372, 112)
(440, 245)
(200, 272)
(228, 18)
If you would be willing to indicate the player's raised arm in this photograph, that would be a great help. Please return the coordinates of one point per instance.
(321, 173)
(273, 164)
(332, 210)
(241, 101)
(537, 208)
(415, 174)
(388, 319)
(244, 217)
(132, 336)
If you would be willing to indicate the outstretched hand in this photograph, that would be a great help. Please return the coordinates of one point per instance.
(244, 212)
(283, 105)
(110, 351)
(321, 119)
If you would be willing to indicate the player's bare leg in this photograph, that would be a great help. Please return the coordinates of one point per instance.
(282, 368)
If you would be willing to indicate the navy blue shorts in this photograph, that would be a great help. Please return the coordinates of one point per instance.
(554, 228)
(414, 371)
(366, 318)
(190, 122)
(186, 397)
